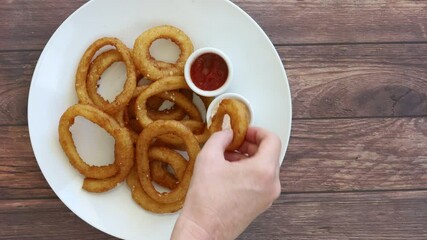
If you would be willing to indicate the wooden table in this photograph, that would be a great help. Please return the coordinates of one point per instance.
(356, 166)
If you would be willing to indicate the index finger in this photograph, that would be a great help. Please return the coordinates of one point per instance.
(269, 144)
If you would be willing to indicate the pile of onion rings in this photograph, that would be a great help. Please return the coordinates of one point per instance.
(149, 136)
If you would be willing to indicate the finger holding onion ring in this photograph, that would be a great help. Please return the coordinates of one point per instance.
(239, 114)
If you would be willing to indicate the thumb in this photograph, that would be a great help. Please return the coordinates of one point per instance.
(219, 141)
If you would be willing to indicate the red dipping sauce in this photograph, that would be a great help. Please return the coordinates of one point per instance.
(209, 71)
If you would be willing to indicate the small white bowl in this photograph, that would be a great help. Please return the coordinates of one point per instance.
(214, 106)
(190, 61)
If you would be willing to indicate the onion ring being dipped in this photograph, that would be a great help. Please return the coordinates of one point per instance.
(153, 69)
(84, 68)
(239, 120)
(65, 138)
(158, 128)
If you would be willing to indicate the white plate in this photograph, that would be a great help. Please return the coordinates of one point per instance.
(259, 76)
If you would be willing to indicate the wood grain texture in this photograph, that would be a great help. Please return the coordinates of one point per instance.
(15, 142)
(28, 25)
(347, 21)
(356, 154)
(43, 219)
(376, 215)
(25, 24)
(323, 155)
(21, 178)
(356, 166)
(16, 70)
(370, 80)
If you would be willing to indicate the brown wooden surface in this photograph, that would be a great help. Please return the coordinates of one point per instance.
(356, 166)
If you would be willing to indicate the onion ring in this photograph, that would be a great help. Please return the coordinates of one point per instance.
(161, 176)
(84, 68)
(66, 140)
(239, 119)
(143, 200)
(158, 128)
(200, 130)
(159, 87)
(183, 106)
(175, 112)
(123, 158)
(153, 69)
(160, 157)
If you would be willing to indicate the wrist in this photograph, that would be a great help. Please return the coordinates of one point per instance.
(185, 228)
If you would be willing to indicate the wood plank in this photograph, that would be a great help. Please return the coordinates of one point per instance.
(371, 215)
(346, 21)
(25, 24)
(323, 155)
(53, 220)
(387, 215)
(21, 178)
(356, 154)
(30, 24)
(15, 77)
(15, 142)
(378, 80)
(375, 80)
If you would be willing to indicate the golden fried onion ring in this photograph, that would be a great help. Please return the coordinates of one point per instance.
(239, 120)
(158, 128)
(123, 158)
(145, 201)
(164, 86)
(153, 69)
(103, 120)
(160, 157)
(183, 105)
(200, 130)
(122, 53)
(161, 176)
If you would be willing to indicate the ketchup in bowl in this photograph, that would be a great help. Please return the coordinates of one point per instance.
(209, 71)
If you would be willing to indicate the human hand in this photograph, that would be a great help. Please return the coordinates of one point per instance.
(229, 190)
